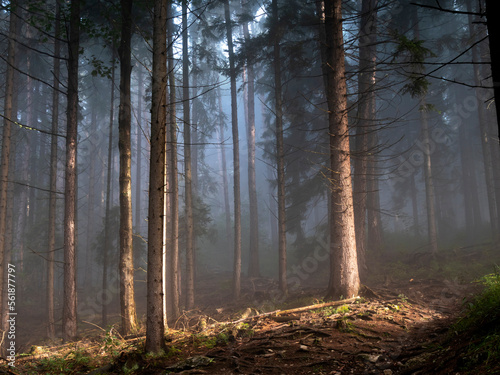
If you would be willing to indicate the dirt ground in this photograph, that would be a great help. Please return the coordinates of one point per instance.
(394, 328)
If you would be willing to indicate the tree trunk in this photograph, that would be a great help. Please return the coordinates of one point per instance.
(236, 156)
(51, 331)
(225, 187)
(344, 277)
(414, 205)
(155, 328)
(69, 304)
(89, 253)
(6, 150)
(280, 152)
(107, 239)
(366, 117)
(174, 179)
(127, 300)
(494, 41)
(375, 233)
(481, 95)
(188, 205)
(253, 264)
(138, 180)
(429, 181)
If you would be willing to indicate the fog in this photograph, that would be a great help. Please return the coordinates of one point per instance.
(429, 67)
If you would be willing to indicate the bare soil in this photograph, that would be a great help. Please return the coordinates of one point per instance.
(395, 328)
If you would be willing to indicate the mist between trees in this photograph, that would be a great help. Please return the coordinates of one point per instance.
(148, 146)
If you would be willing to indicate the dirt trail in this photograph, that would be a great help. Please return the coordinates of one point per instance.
(392, 329)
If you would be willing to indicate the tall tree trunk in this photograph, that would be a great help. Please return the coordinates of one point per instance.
(366, 117)
(51, 331)
(138, 181)
(428, 176)
(155, 328)
(253, 264)
(374, 219)
(107, 218)
(127, 300)
(225, 185)
(188, 204)
(69, 304)
(481, 96)
(429, 181)
(494, 41)
(414, 205)
(280, 152)
(344, 277)
(9, 116)
(236, 156)
(174, 179)
(89, 254)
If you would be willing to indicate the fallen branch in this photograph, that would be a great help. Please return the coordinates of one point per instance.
(318, 306)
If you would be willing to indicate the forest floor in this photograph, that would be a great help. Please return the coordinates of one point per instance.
(393, 328)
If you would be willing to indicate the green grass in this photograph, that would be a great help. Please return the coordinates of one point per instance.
(482, 321)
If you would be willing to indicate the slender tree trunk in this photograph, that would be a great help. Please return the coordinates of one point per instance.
(127, 299)
(125, 178)
(89, 254)
(188, 205)
(429, 182)
(253, 264)
(225, 185)
(374, 219)
(6, 150)
(51, 331)
(414, 205)
(69, 304)
(366, 117)
(155, 328)
(484, 133)
(236, 156)
(280, 152)
(138, 181)
(344, 277)
(428, 176)
(494, 41)
(174, 179)
(107, 239)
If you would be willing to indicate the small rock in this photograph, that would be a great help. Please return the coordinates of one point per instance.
(387, 372)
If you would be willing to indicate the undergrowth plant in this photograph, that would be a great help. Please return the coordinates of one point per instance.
(482, 319)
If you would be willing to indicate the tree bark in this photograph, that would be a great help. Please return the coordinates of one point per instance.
(366, 117)
(481, 95)
(344, 277)
(188, 204)
(155, 328)
(494, 41)
(429, 181)
(89, 253)
(51, 331)
(107, 239)
(253, 264)
(174, 177)
(225, 187)
(127, 300)
(138, 170)
(69, 304)
(6, 150)
(236, 156)
(280, 152)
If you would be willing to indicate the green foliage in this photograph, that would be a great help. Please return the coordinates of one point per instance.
(413, 53)
(331, 310)
(482, 319)
(75, 360)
